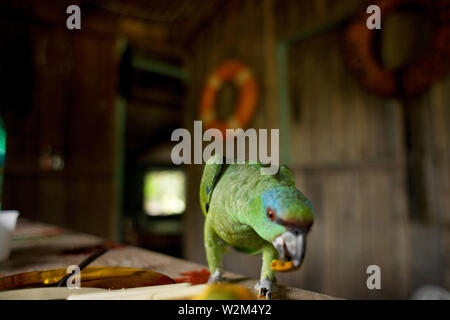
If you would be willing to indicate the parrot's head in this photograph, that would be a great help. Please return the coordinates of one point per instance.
(284, 216)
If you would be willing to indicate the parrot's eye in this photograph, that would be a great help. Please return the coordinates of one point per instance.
(270, 214)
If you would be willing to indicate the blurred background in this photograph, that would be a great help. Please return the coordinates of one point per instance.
(89, 115)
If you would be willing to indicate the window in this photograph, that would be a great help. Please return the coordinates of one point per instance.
(164, 192)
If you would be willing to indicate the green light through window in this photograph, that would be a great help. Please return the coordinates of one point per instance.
(164, 192)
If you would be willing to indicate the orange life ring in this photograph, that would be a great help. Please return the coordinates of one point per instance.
(242, 76)
(414, 78)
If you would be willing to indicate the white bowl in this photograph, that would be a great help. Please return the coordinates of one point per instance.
(8, 219)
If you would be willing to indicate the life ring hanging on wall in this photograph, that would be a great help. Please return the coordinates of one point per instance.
(242, 76)
(414, 78)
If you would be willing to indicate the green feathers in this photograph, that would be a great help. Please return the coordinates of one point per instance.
(253, 213)
(210, 176)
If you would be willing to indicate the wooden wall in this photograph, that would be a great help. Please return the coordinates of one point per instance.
(347, 155)
(73, 114)
(430, 228)
(347, 150)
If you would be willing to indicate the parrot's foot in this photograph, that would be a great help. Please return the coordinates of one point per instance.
(217, 277)
(266, 288)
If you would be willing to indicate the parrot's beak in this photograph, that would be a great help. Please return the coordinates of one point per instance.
(291, 246)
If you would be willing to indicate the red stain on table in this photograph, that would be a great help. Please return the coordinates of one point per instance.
(194, 277)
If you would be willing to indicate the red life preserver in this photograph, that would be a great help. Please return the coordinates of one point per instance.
(242, 76)
(359, 53)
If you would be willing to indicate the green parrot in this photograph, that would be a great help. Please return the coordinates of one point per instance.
(253, 213)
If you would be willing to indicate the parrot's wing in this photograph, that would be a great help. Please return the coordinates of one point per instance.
(210, 177)
(285, 175)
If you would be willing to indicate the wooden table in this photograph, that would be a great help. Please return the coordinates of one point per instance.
(39, 246)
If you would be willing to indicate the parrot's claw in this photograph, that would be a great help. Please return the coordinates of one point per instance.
(266, 288)
(216, 277)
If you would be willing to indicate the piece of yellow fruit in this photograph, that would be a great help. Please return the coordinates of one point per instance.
(278, 265)
(225, 291)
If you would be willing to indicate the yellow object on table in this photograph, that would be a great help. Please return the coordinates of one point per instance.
(91, 277)
(225, 291)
